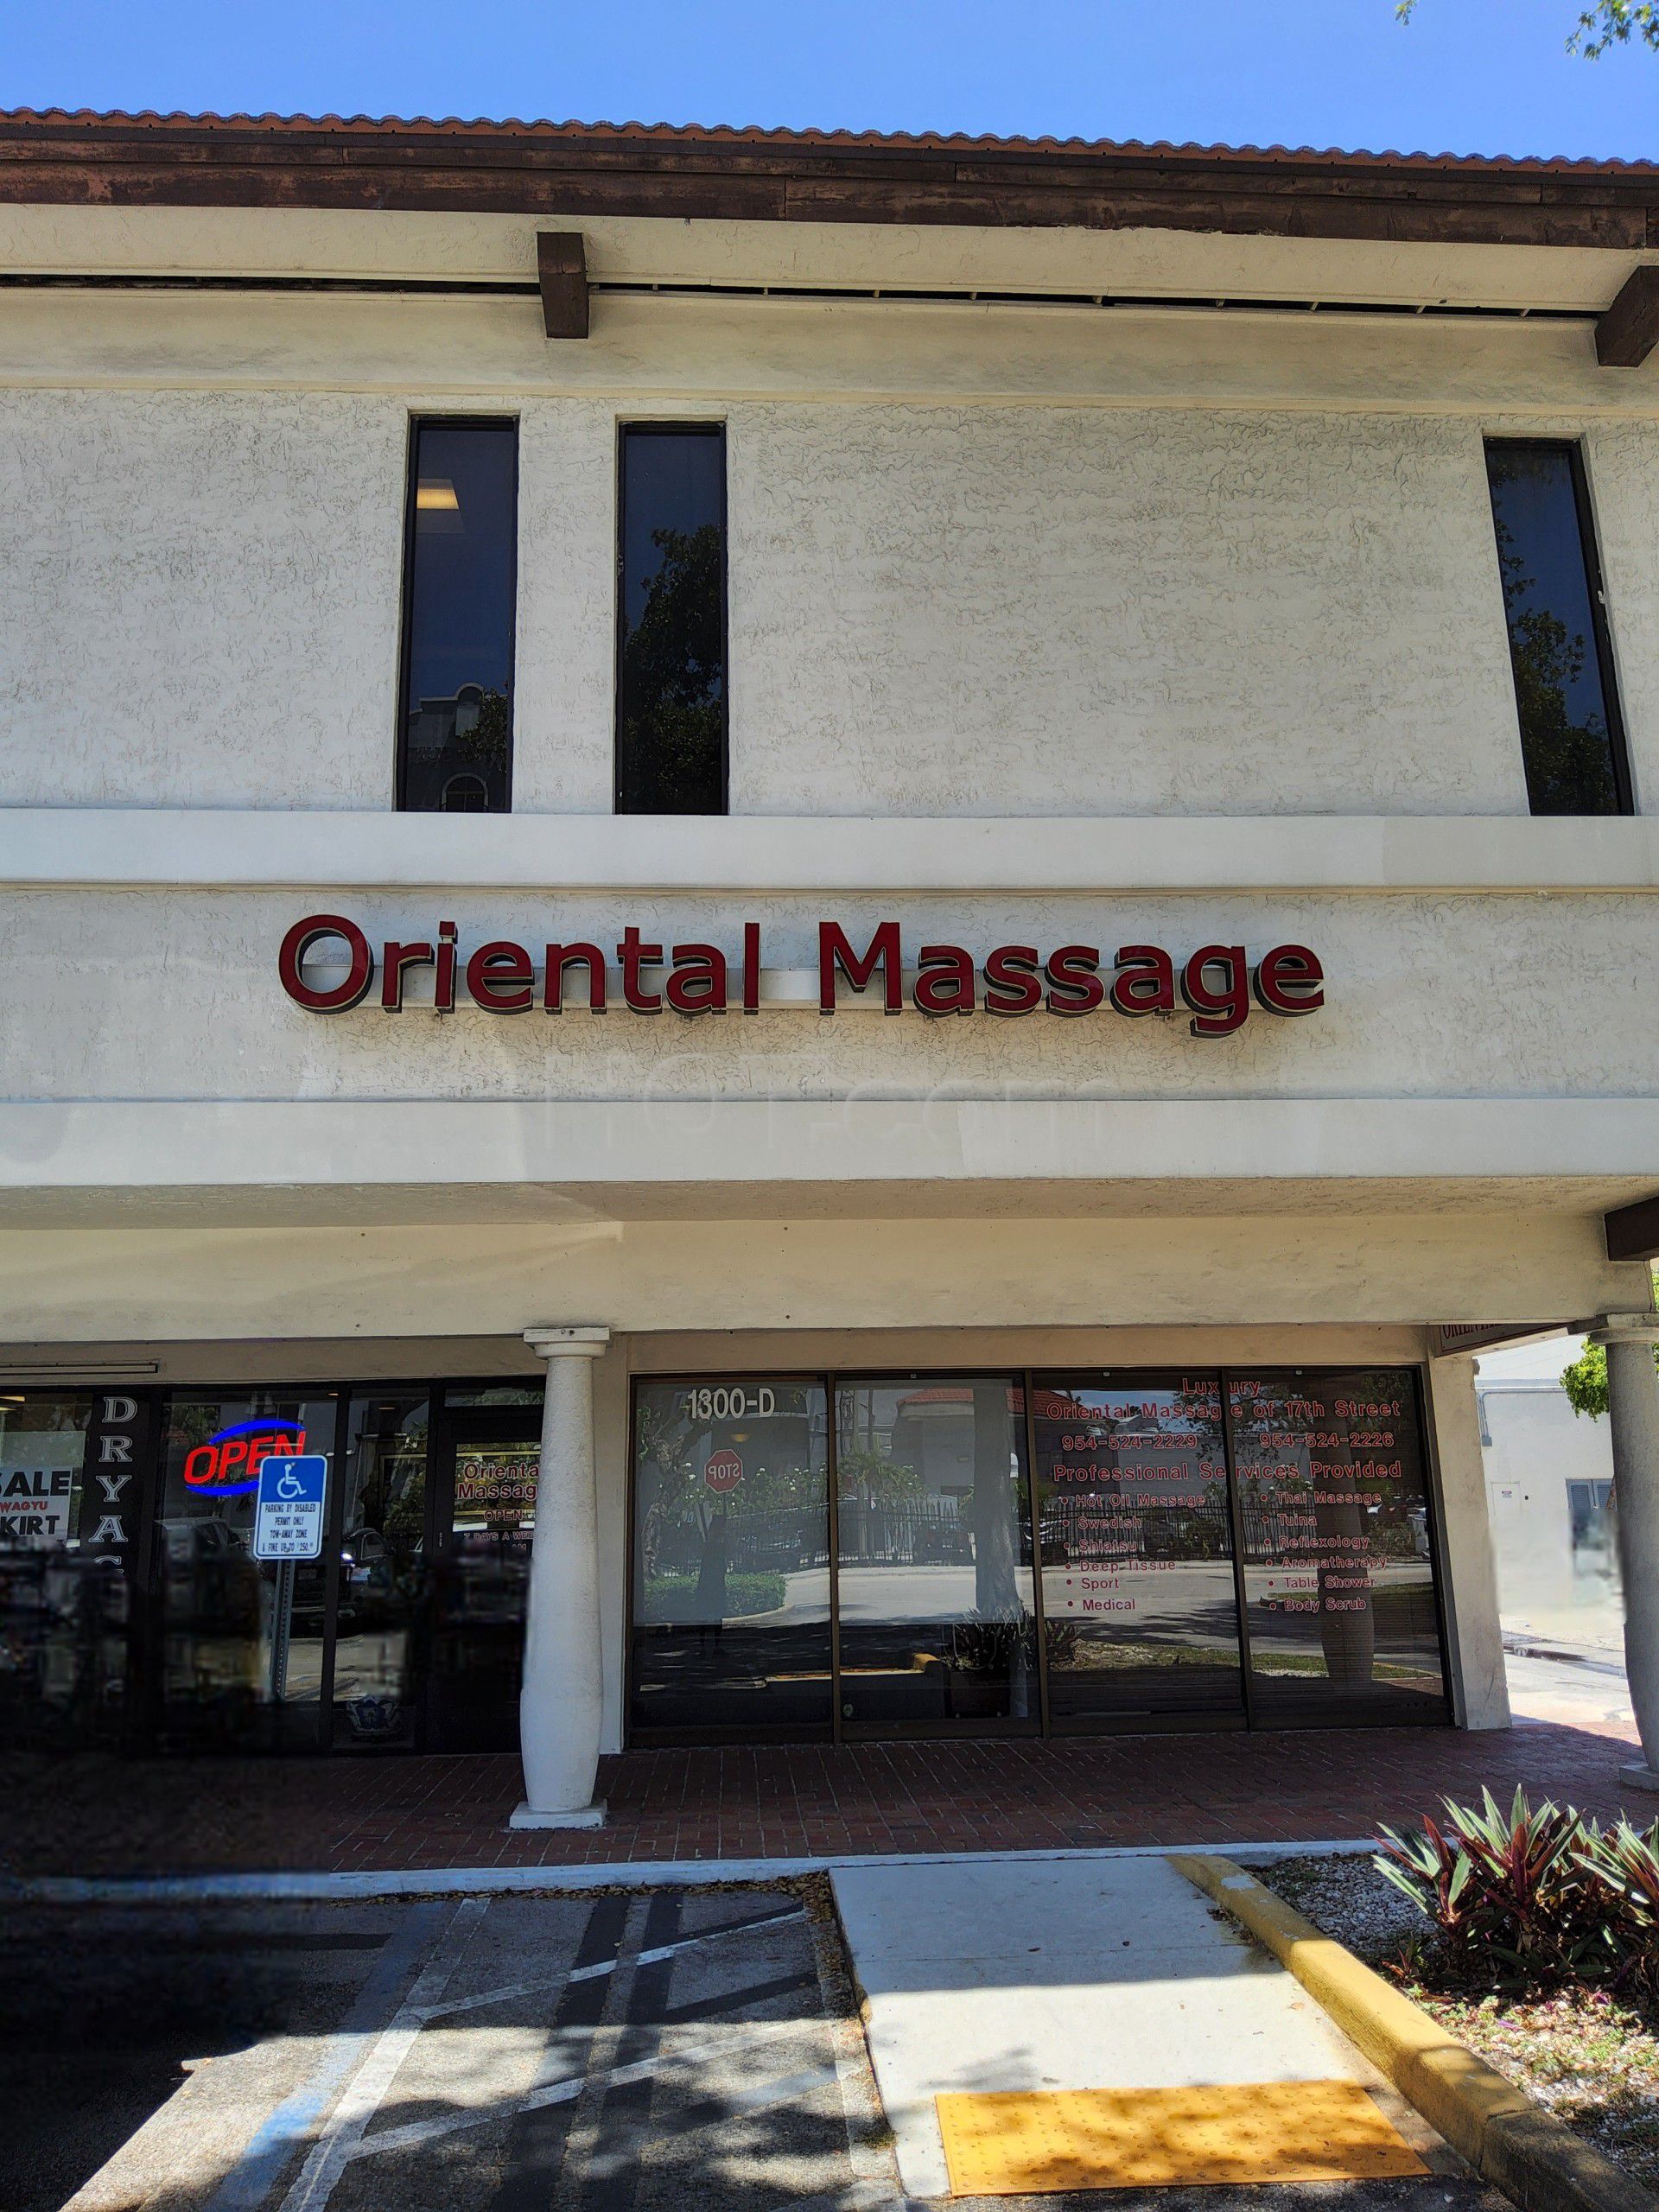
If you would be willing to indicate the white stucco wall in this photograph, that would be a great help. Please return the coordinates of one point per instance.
(200, 600)
(945, 611)
(1622, 466)
(955, 610)
(133, 994)
(1026, 1267)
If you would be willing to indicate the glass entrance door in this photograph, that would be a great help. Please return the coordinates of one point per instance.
(485, 1460)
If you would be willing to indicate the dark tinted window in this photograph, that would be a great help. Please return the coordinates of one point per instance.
(382, 1586)
(731, 1557)
(63, 1611)
(670, 710)
(242, 1644)
(456, 738)
(1570, 734)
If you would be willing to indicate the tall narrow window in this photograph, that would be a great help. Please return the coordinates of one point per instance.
(456, 730)
(670, 704)
(1571, 737)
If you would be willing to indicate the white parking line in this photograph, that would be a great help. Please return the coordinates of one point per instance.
(484, 1997)
(416, 2131)
(332, 2153)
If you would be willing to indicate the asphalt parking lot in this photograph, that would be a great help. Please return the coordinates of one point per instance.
(618, 2051)
(624, 2051)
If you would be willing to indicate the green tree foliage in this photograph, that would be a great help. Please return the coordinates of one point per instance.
(1610, 23)
(1586, 1381)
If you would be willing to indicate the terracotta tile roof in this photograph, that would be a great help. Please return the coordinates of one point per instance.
(690, 135)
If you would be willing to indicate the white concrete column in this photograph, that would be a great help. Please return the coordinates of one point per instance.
(560, 1705)
(1480, 1692)
(1633, 1417)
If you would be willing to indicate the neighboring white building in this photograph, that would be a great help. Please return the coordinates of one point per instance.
(1061, 586)
(1549, 1481)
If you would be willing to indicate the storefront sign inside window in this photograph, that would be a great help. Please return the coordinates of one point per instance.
(497, 1488)
(228, 1464)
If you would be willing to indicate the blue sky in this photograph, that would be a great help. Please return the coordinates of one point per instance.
(1467, 76)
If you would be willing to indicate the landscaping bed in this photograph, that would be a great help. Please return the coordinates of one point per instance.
(1590, 2055)
(671, 1597)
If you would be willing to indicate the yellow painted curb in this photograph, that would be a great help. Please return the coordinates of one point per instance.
(1507, 2138)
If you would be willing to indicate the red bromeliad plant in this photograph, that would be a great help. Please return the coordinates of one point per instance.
(1511, 1893)
(1623, 1863)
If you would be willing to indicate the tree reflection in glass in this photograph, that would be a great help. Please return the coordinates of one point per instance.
(731, 1567)
(1561, 689)
(937, 1619)
(671, 675)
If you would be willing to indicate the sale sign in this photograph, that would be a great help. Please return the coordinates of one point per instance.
(723, 1471)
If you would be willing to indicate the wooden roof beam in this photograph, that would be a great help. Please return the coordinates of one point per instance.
(562, 268)
(1633, 1231)
(1629, 331)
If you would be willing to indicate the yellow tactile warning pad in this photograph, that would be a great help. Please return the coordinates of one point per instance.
(1020, 2142)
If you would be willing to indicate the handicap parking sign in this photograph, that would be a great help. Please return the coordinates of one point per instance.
(287, 1513)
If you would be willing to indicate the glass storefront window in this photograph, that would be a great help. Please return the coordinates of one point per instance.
(937, 1628)
(1140, 1598)
(229, 1675)
(763, 1605)
(492, 1393)
(380, 1609)
(731, 1556)
(1217, 1551)
(63, 1611)
(1338, 1571)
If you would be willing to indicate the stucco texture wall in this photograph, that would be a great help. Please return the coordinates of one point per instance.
(199, 601)
(1623, 467)
(949, 610)
(1201, 1270)
(175, 995)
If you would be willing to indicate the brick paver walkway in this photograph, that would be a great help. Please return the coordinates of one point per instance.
(110, 1817)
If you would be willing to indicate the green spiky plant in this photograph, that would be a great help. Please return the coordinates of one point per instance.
(1510, 1894)
(1623, 1864)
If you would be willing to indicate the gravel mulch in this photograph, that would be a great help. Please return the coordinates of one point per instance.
(1592, 2059)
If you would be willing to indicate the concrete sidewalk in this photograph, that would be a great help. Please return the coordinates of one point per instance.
(1070, 1975)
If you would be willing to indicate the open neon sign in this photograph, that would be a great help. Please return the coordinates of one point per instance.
(228, 1464)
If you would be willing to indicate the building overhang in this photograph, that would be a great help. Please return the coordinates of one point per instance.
(777, 177)
(213, 201)
(131, 1163)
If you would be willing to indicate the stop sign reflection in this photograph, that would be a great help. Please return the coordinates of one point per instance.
(724, 1472)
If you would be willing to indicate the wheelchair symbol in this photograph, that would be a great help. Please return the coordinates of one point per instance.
(289, 1484)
